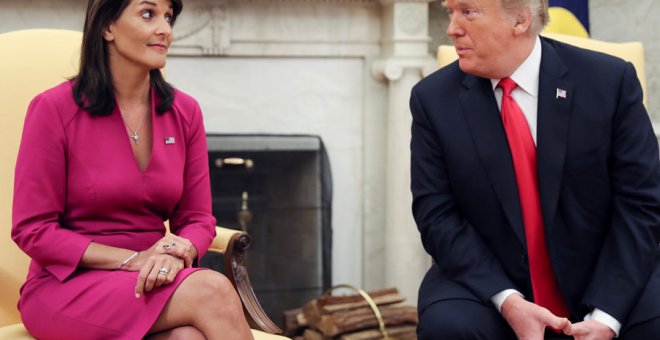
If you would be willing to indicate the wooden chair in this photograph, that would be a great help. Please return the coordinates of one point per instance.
(629, 51)
(32, 61)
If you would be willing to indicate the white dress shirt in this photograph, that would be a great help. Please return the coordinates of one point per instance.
(526, 96)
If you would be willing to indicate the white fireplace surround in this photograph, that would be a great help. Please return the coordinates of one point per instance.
(340, 69)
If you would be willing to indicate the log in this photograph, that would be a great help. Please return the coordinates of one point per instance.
(406, 332)
(379, 301)
(312, 312)
(314, 309)
(311, 334)
(294, 322)
(333, 299)
(302, 320)
(347, 321)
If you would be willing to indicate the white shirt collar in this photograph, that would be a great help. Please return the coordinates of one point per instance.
(527, 74)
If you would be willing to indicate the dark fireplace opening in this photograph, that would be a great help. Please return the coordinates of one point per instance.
(277, 188)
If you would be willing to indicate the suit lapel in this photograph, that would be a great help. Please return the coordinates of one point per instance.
(483, 118)
(554, 107)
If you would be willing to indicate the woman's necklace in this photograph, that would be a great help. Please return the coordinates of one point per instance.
(134, 133)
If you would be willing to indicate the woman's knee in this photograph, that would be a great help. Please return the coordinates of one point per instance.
(212, 286)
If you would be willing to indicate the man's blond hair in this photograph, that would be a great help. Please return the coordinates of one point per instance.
(538, 8)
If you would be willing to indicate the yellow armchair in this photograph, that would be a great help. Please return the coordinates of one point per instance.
(629, 51)
(32, 61)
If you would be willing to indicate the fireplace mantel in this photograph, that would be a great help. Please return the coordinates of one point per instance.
(326, 28)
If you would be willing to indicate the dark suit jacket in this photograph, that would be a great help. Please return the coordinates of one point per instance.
(599, 182)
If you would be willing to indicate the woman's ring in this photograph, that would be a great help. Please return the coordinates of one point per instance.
(168, 246)
(163, 270)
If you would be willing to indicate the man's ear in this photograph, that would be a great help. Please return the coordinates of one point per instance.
(107, 33)
(523, 22)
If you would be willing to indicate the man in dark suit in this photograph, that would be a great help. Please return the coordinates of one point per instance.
(553, 226)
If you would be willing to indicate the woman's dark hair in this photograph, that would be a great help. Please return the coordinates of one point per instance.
(93, 90)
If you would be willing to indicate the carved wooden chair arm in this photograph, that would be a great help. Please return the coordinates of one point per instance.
(233, 245)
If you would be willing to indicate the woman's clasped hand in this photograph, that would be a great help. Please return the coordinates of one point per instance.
(160, 264)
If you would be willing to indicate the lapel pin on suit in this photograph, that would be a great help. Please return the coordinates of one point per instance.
(561, 93)
(169, 140)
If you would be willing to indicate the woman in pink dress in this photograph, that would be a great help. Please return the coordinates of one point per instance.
(104, 160)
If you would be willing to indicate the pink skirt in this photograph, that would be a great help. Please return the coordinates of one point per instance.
(92, 304)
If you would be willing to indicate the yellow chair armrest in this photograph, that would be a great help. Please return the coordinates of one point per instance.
(222, 238)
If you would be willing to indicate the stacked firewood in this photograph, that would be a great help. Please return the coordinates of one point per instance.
(350, 317)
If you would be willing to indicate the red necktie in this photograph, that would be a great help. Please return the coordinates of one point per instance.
(523, 151)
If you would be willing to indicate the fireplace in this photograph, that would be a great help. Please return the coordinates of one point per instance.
(278, 189)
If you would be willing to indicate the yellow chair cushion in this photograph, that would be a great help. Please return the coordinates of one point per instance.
(15, 332)
(22, 61)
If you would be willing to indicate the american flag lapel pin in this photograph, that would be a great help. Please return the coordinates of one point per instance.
(169, 140)
(561, 93)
